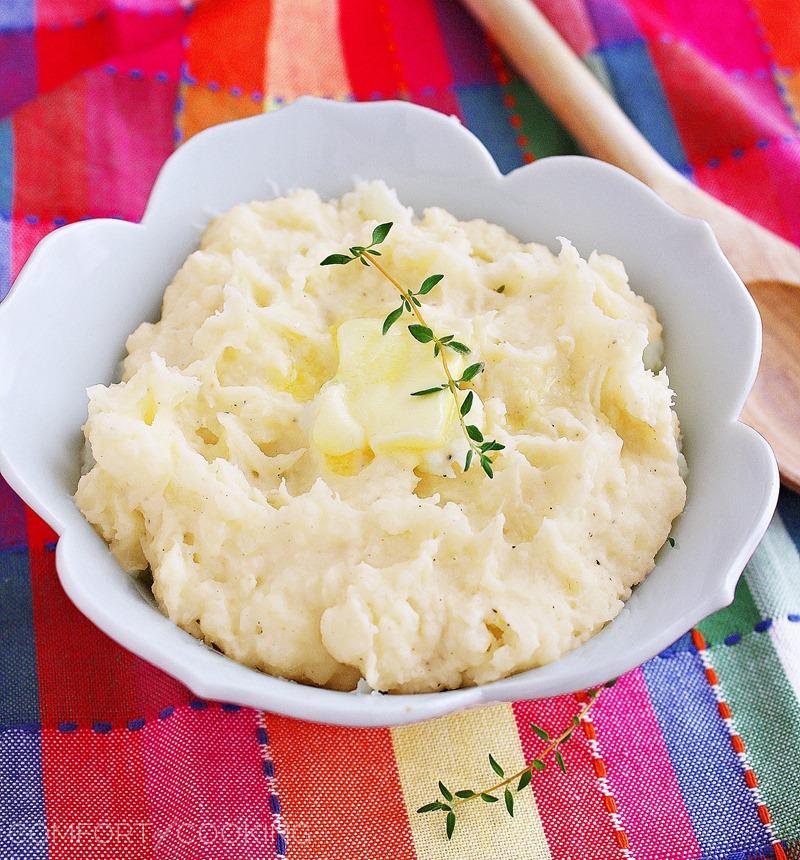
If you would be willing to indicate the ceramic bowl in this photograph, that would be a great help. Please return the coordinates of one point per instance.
(88, 285)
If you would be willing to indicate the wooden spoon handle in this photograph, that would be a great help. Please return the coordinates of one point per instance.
(577, 98)
(568, 88)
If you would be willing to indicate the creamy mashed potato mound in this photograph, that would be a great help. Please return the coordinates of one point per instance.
(301, 512)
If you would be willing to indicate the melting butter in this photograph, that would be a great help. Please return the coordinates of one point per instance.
(368, 407)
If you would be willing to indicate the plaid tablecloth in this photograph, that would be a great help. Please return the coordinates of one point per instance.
(694, 755)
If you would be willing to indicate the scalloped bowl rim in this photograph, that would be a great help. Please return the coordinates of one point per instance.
(211, 675)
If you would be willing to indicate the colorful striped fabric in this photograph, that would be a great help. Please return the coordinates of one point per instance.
(694, 755)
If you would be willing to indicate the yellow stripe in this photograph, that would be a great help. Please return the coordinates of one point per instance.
(455, 750)
(304, 54)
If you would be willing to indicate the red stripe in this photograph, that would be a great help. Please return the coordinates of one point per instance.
(50, 173)
(63, 53)
(713, 112)
(756, 186)
(572, 810)
(419, 47)
(422, 55)
(782, 24)
(39, 533)
(344, 798)
(370, 53)
(94, 788)
(85, 677)
(227, 43)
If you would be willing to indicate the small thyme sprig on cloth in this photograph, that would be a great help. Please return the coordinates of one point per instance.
(511, 785)
(479, 448)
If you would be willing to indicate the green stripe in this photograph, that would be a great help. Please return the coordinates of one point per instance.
(545, 135)
(767, 716)
(773, 573)
(740, 617)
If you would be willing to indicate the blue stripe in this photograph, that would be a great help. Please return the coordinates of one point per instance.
(612, 22)
(789, 509)
(684, 643)
(23, 834)
(19, 688)
(484, 115)
(708, 772)
(16, 14)
(638, 90)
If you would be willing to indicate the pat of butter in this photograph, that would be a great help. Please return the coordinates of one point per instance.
(368, 404)
(336, 432)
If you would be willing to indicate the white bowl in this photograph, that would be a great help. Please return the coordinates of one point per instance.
(88, 285)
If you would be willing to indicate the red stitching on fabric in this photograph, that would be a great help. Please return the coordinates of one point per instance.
(509, 102)
(724, 710)
(403, 89)
(604, 786)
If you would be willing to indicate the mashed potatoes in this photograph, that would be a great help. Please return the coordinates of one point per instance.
(328, 537)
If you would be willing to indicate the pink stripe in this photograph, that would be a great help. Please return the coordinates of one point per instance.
(571, 18)
(66, 12)
(640, 773)
(733, 46)
(575, 821)
(129, 136)
(207, 792)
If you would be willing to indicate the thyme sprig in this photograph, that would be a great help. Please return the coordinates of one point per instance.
(511, 785)
(479, 447)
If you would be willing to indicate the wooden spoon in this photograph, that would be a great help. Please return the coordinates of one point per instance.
(768, 265)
